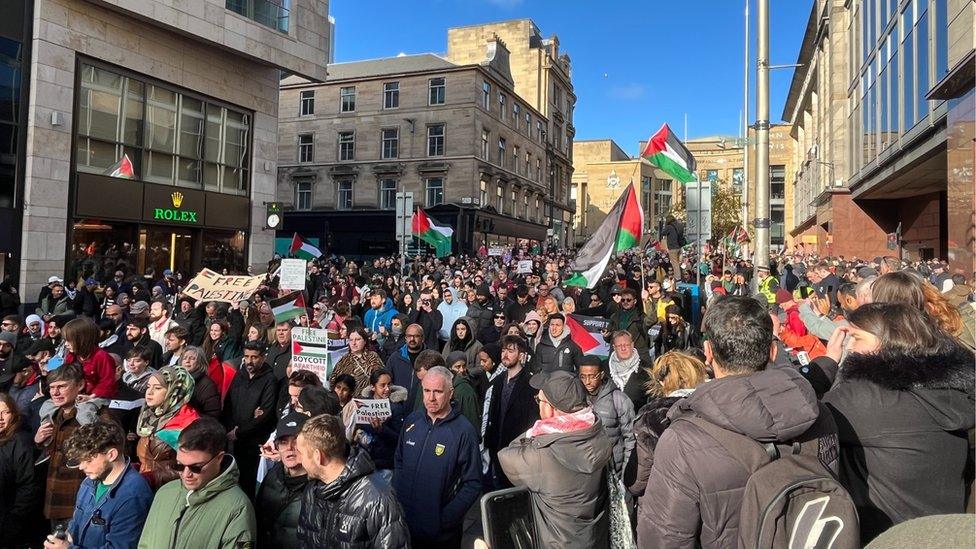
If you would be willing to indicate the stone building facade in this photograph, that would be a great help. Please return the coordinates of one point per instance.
(720, 158)
(601, 172)
(543, 78)
(187, 92)
(456, 133)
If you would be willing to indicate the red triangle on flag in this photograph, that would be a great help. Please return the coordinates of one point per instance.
(580, 335)
(296, 348)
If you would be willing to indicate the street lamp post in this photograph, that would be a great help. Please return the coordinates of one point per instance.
(761, 223)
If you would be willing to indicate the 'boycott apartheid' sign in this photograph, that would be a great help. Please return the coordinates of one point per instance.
(372, 408)
(312, 350)
(212, 286)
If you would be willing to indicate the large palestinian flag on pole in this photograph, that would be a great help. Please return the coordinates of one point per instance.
(438, 236)
(619, 232)
(303, 250)
(668, 153)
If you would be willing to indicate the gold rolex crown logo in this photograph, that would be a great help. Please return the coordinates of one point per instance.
(177, 199)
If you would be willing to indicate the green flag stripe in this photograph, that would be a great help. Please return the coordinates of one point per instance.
(672, 168)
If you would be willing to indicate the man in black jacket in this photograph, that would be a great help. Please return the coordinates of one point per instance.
(516, 311)
(280, 494)
(512, 409)
(279, 352)
(429, 318)
(556, 349)
(344, 504)
(249, 412)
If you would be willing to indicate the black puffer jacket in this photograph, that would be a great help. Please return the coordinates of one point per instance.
(650, 424)
(353, 511)
(903, 422)
(562, 355)
(280, 501)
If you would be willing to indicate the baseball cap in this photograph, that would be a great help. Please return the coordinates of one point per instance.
(167, 272)
(562, 389)
(290, 425)
(138, 307)
(617, 288)
(54, 279)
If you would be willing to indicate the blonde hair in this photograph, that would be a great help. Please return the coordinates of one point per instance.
(674, 370)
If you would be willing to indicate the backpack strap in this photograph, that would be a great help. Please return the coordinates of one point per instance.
(747, 452)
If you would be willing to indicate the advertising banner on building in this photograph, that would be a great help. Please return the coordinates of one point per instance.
(212, 286)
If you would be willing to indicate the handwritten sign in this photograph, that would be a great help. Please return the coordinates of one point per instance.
(525, 266)
(496, 251)
(372, 408)
(212, 286)
(293, 274)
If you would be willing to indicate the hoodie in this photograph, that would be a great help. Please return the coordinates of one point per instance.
(451, 313)
(563, 469)
(697, 484)
(902, 423)
(374, 318)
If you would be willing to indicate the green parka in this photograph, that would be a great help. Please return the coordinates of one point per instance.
(217, 516)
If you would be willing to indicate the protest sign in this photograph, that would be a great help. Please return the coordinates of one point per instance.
(312, 350)
(525, 266)
(587, 332)
(372, 408)
(496, 251)
(293, 274)
(213, 286)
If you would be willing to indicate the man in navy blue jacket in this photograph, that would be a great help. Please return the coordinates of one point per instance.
(437, 466)
(113, 501)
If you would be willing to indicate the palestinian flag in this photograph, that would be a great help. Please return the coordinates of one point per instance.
(739, 234)
(438, 236)
(668, 153)
(170, 433)
(620, 231)
(585, 331)
(288, 307)
(303, 250)
(123, 169)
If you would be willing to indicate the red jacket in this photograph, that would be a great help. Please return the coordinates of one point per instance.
(99, 372)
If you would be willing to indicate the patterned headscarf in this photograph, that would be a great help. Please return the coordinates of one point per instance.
(179, 388)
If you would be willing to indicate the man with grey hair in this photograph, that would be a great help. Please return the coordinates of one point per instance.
(437, 465)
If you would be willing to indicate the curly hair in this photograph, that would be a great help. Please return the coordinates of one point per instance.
(94, 438)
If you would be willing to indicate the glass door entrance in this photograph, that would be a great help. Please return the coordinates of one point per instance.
(162, 248)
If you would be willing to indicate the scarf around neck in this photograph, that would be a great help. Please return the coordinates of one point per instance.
(179, 389)
(621, 370)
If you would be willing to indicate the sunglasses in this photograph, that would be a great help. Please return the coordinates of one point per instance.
(196, 469)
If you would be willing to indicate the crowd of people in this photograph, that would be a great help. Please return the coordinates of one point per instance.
(133, 416)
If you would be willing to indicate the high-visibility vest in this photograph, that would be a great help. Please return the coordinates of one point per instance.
(765, 288)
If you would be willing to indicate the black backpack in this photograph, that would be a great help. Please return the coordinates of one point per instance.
(791, 499)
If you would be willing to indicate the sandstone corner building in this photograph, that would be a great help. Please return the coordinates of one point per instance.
(187, 92)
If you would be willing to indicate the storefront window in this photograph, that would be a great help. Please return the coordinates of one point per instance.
(99, 248)
(224, 250)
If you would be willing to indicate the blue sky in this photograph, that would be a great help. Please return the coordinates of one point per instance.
(635, 64)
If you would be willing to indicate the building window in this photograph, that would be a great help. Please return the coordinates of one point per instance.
(538, 169)
(528, 164)
(711, 175)
(557, 96)
(391, 95)
(513, 209)
(515, 158)
(539, 134)
(499, 198)
(486, 95)
(303, 195)
(435, 191)
(307, 101)
(484, 193)
(270, 13)
(528, 123)
(347, 145)
(391, 143)
(344, 195)
(777, 182)
(435, 140)
(347, 99)
(501, 106)
(388, 190)
(306, 148)
(437, 91)
(525, 211)
(538, 209)
(516, 115)
(501, 151)
(161, 131)
(485, 144)
(662, 196)
(776, 220)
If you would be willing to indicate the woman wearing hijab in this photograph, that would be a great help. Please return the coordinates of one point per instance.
(35, 327)
(165, 414)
